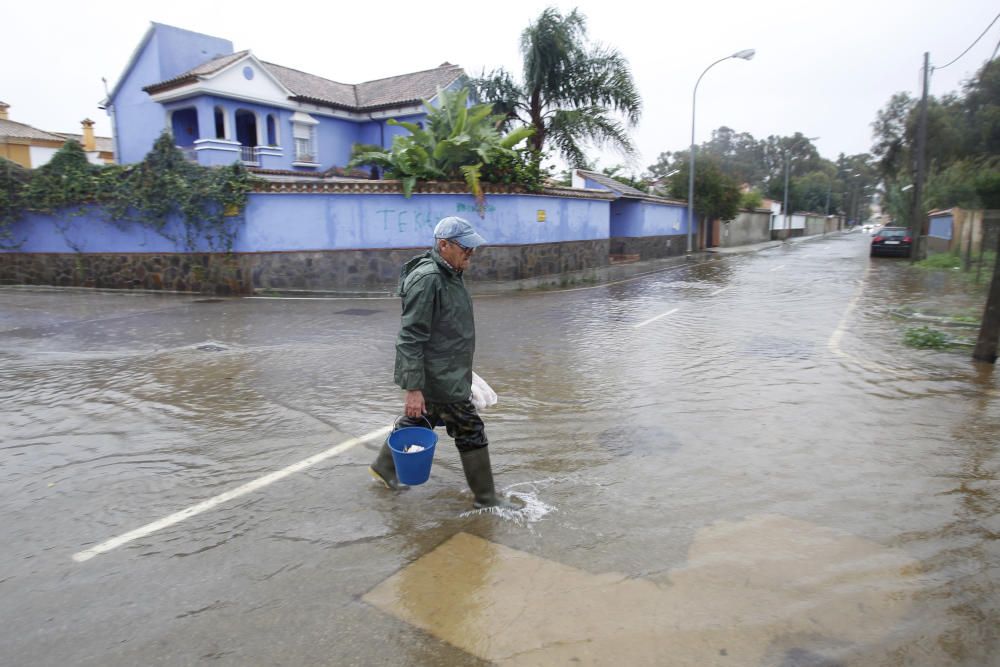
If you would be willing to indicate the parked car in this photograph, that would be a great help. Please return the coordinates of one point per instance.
(892, 241)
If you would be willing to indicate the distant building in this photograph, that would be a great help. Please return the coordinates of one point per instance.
(31, 148)
(597, 181)
(223, 106)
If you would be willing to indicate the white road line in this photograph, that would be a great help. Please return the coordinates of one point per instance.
(718, 291)
(232, 494)
(838, 334)
(778, 268)
(321, 298)
(653, 319)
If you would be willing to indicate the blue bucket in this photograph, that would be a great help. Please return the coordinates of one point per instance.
(412, 468)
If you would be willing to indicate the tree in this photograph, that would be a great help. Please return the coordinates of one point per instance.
(739, 155)
(67, 179)
(761, 166)
(456, 143)
(982, 109)
(963, 142)
(570, 90)
(716, 196)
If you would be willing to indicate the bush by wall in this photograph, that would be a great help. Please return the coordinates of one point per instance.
(206, 200)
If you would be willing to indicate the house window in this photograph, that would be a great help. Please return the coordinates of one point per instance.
(272, 130)
(304, 139)
(220, 123)
(246, 127)
(305, 142)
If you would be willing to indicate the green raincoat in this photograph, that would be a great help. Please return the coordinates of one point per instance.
(437, 336)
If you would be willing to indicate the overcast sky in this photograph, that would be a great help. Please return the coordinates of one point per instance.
(822, 68)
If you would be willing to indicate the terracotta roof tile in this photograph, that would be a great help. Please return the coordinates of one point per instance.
(381, 93)
(411, 87)
(610, 183)
(13, 129)
(313, 87)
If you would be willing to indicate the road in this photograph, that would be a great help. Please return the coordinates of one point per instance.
(727, 462)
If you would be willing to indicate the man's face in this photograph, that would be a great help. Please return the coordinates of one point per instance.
(456, 255)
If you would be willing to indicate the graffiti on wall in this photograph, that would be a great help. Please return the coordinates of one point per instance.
(417, 220)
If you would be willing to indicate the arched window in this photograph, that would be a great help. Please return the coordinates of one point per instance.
(272, 130)
(246, 127)
(220, 123)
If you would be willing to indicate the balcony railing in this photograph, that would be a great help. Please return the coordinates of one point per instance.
(249, 155)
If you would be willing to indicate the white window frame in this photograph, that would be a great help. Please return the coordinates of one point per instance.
(303, 123)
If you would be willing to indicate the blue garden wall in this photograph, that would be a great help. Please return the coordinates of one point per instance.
(297, 222)
(311, 241)
(287, 222)
(634, 217)
(643, 229)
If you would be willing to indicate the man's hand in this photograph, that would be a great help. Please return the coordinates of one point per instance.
(414, 406)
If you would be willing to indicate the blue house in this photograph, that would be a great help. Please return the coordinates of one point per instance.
(223, 106)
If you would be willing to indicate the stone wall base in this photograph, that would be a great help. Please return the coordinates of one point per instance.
(649, 247)
(321, 271)
(202, 273)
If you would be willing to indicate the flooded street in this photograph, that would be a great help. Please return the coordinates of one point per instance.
(729, 462)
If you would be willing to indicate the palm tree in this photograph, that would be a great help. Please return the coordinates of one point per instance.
(571, 90)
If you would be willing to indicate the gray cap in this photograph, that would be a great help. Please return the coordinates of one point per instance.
(458, 230)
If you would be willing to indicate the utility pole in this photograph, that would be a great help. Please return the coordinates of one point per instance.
(917, 230)
(784, 205)
(989, 330)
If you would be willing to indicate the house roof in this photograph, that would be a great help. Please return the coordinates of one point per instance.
(314, 88)
(104, 144)
(15, 130)
(610, 183)
(207, 68)
(407, 88)
(392, 91)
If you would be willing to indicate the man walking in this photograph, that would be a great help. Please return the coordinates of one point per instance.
(434, 351)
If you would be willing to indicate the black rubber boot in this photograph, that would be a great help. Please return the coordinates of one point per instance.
(384, 468)
(479, 475)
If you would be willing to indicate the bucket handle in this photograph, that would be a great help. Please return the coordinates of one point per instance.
(395, 423)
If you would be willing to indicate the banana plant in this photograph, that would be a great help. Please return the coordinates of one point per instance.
(455, 143)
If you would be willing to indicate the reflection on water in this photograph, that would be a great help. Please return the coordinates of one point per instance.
(766, 587)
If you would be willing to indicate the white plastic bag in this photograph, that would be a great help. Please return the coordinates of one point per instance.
(483, 395)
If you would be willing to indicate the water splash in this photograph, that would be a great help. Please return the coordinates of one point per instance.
(532, 510)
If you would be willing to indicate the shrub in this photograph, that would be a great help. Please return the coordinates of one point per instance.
(925, 338)
(148, 193)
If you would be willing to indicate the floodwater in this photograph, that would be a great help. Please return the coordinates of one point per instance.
(728, 462)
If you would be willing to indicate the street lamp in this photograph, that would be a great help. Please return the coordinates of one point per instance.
(745, 54)
(784, 207)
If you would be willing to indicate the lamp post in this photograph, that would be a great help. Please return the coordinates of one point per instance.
(784, 206)
(745, 54)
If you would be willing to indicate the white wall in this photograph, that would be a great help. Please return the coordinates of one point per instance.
(40, 155)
